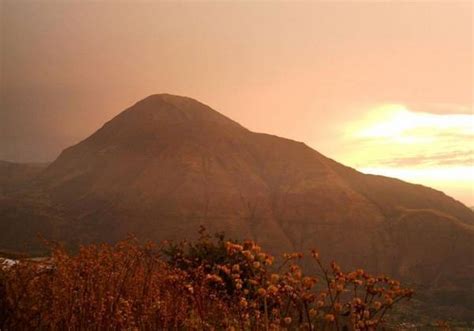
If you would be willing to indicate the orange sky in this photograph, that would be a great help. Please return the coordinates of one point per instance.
(344, 77)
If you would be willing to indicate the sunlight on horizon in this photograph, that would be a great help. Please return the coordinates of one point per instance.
(434, 150)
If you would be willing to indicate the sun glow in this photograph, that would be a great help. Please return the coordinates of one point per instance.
(431, 149)
(399, 124)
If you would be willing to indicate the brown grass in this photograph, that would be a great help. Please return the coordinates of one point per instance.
(204, 285)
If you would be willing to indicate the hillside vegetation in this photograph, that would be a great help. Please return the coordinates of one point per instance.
(206, 285)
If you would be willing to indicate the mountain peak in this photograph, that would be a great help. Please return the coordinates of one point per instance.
(172, 99)
(151, 125)
(171, 109)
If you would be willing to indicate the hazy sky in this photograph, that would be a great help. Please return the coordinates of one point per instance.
(382, 86)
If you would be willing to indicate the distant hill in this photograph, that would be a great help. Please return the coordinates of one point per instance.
(168, 164)
(13, 175)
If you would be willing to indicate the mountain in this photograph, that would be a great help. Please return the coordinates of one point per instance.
(168, 164)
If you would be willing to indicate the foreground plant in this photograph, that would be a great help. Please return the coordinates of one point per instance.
(209, 284)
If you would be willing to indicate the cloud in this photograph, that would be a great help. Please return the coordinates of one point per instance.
(462, 158)
(434, 149)
(394, 135)
(441, 108)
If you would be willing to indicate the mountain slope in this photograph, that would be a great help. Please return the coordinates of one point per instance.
(168, 164)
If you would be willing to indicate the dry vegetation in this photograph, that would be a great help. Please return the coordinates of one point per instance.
(209, 284)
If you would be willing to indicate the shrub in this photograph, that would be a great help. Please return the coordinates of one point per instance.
(208, 284)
